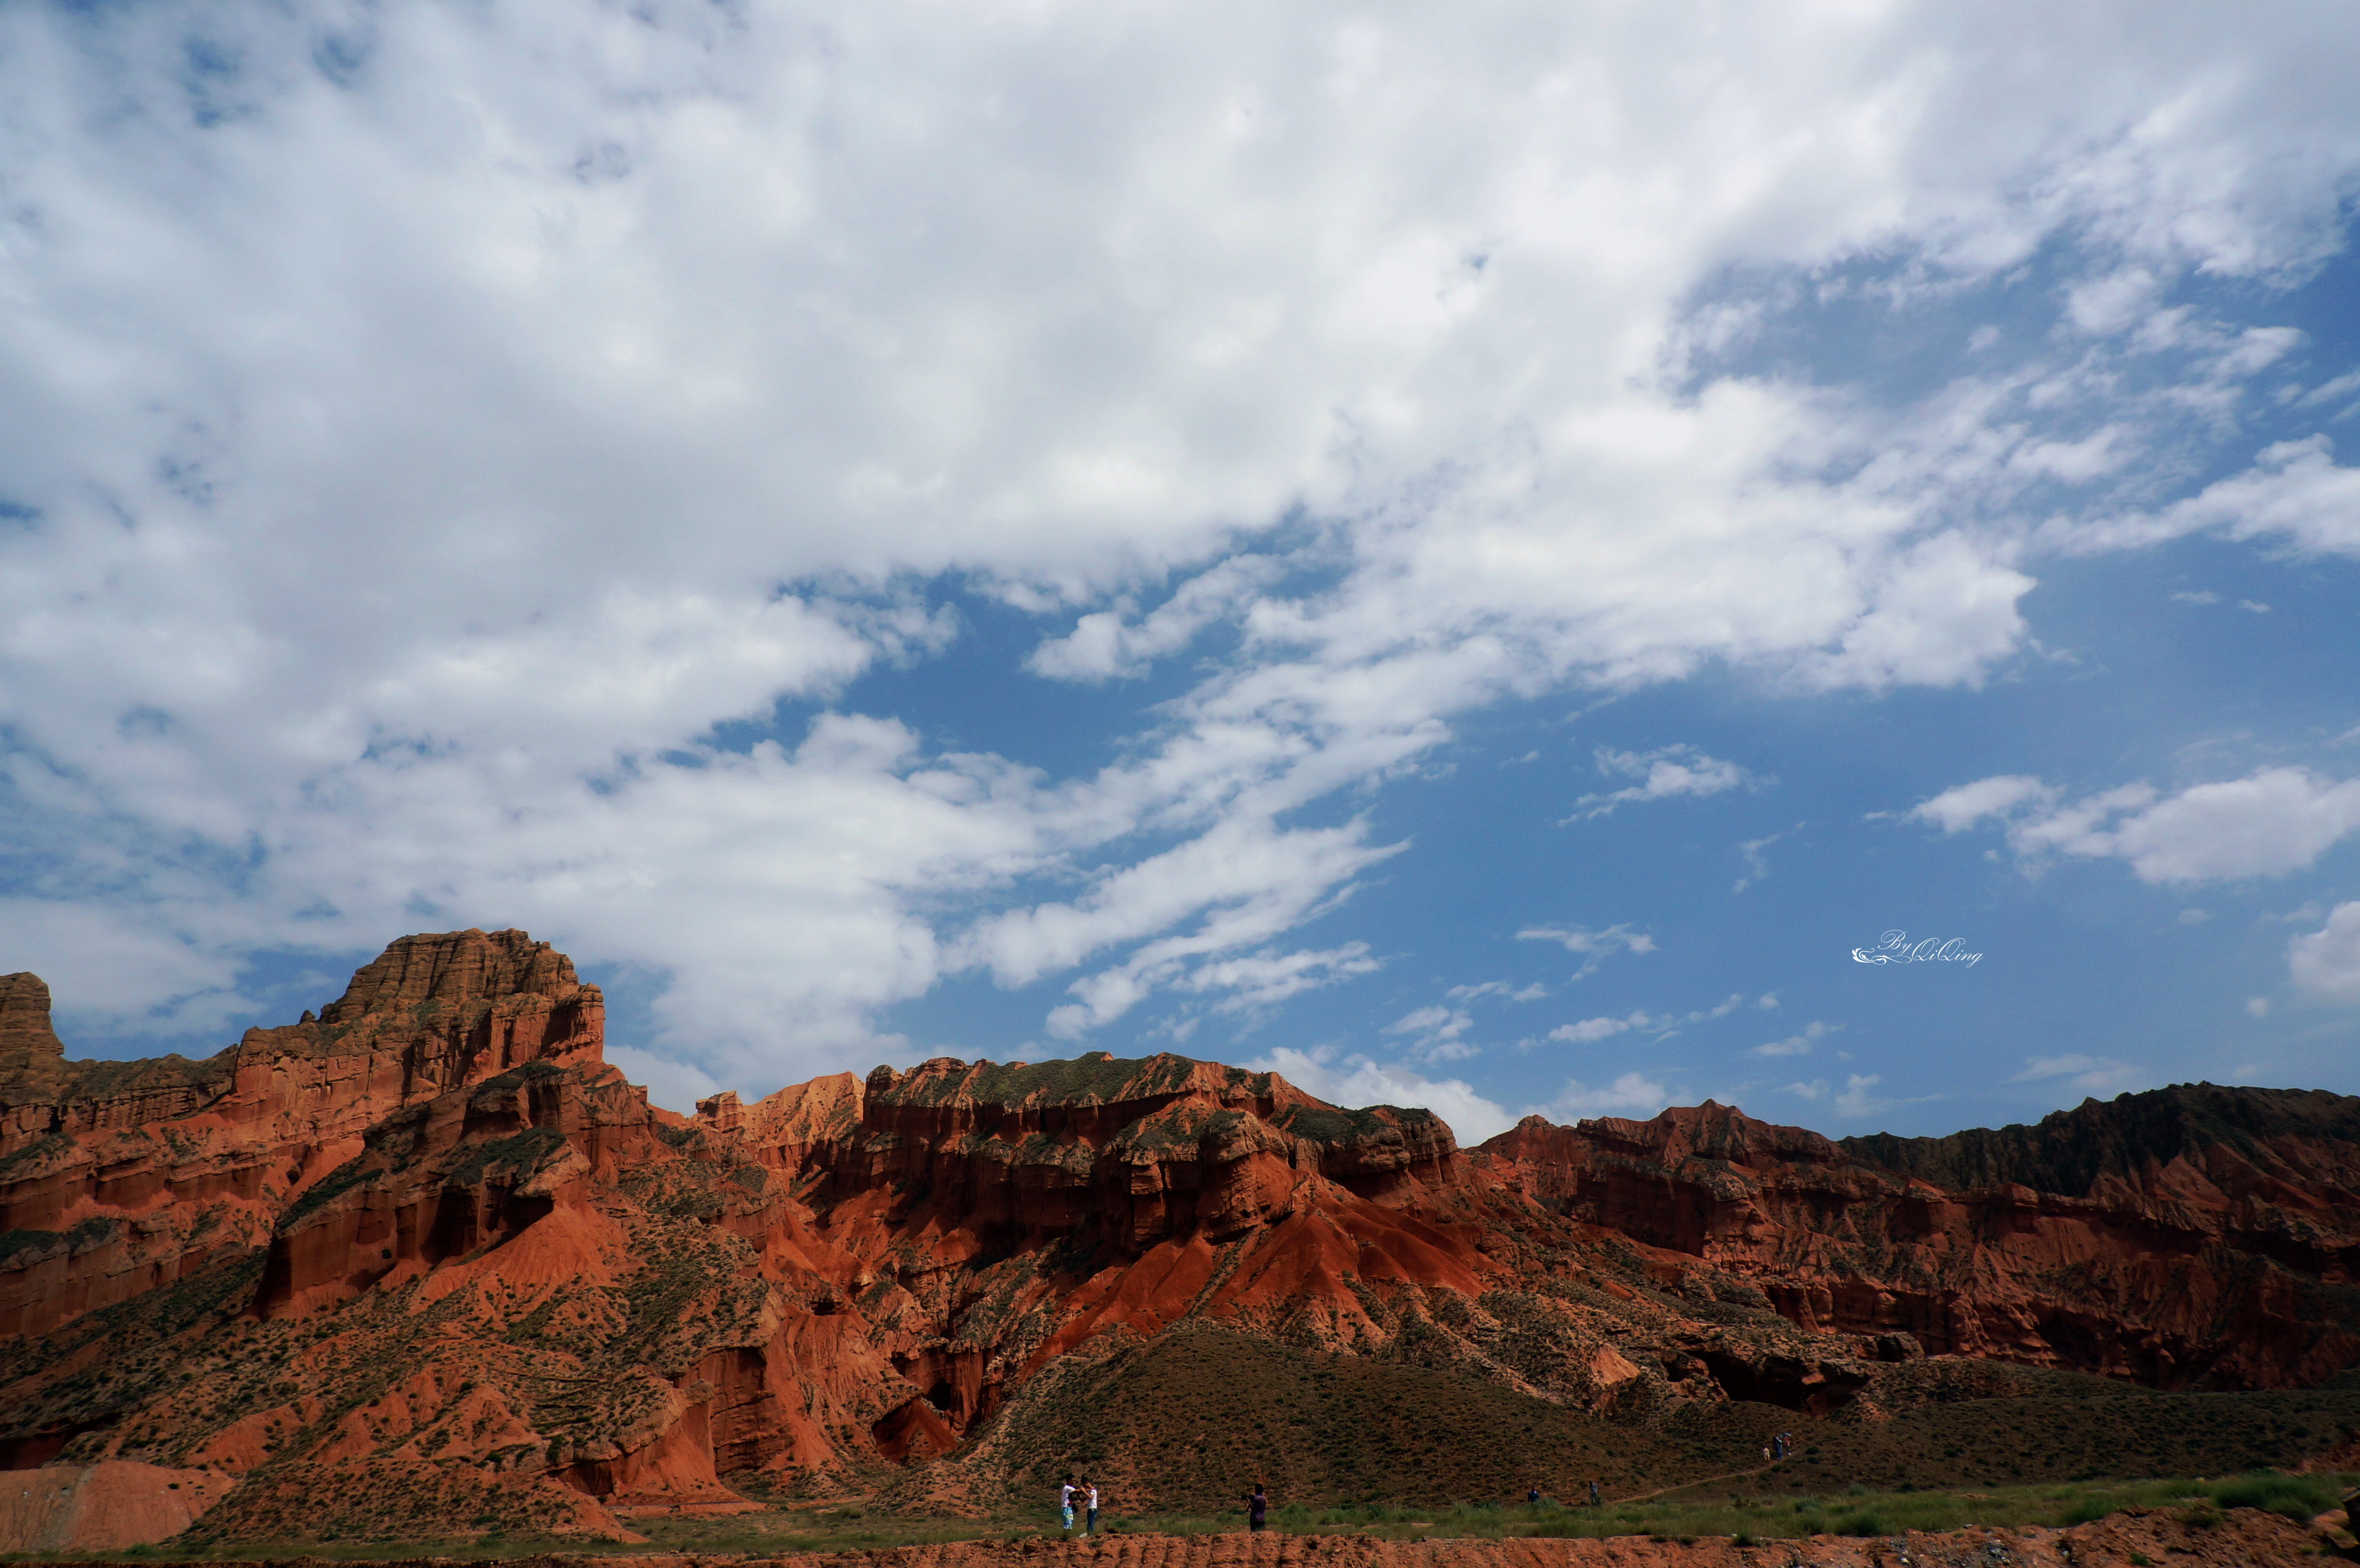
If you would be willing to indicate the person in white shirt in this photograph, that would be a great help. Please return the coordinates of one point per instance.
(1091, 1494)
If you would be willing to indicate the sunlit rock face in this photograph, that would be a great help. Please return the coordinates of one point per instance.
(430, 1248)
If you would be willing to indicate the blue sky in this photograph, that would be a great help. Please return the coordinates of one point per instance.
(1472, 561)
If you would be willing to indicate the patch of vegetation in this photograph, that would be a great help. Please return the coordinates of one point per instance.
(14, 1242)
(494, 1090)
(320, 1193)
(1330, 1125)
(520, 1152)
(41, 1149)
(1095, 1076)
(2067, 1151)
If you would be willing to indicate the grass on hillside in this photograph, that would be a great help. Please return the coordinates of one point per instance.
(1857, 1512)
(1186, 1422)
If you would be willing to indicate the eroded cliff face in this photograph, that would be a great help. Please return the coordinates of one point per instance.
(119, 1177)
(2181, 1239)
(430, 1246)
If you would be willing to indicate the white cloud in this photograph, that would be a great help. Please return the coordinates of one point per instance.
(1357, 1081)
(2090, 1074)
(2257, 1006)
(1439, 1032)
(1265, 979)
(2273, 821)
(439, 429)
(1595, 947)
(1630, 1094)
(2325, 964)
(1108, 643)
(1757, 862)
(1963, 805)
(2295, 492)
(1662, 774)
(673, 1085)
(1855, 1099)
(1590, 1031)
(1507, 989)
(1798, 1044)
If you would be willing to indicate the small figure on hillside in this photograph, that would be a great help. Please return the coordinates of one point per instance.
(1593, 1494)
(1258, 1509)
(1091, 1494)
(1786, 1444)
(1066, 1501)
(1532, 1496)
(1766, 1455)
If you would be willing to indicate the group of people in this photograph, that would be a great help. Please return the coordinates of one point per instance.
(1083, 1495)
(1532, 1496)
(1780, 1446)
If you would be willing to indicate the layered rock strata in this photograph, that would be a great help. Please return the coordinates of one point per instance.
(429, 1250)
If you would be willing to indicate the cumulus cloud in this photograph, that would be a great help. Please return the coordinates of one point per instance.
(454, 463)
(1357, 1080)
(1590, 1031)
(2273, 821)
(1629, 1094)
(2325, 964)
(2295, 494)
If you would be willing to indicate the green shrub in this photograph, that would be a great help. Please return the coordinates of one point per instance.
(2298, 1498)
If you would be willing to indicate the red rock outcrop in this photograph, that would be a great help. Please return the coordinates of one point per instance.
(2177, 1237)
(122, 1176)
(430, 1237)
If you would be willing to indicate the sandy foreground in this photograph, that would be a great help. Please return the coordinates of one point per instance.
(2244, 1538)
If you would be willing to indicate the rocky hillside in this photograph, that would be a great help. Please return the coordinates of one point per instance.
(429, 1255)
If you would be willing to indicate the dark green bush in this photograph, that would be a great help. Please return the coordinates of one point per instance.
(2298, 1498)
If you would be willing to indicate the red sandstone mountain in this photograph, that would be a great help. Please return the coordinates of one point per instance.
(431, 1249)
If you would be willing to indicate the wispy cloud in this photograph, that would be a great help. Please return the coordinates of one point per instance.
(1797, 1044)
(1594, 947)
(2090, 1074)
(1663, 774)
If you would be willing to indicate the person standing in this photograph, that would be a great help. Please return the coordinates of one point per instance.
(1258, 1509)
(1066, 1501)
(1532, 1496)
(1593, 1494)
(1091, 1496)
